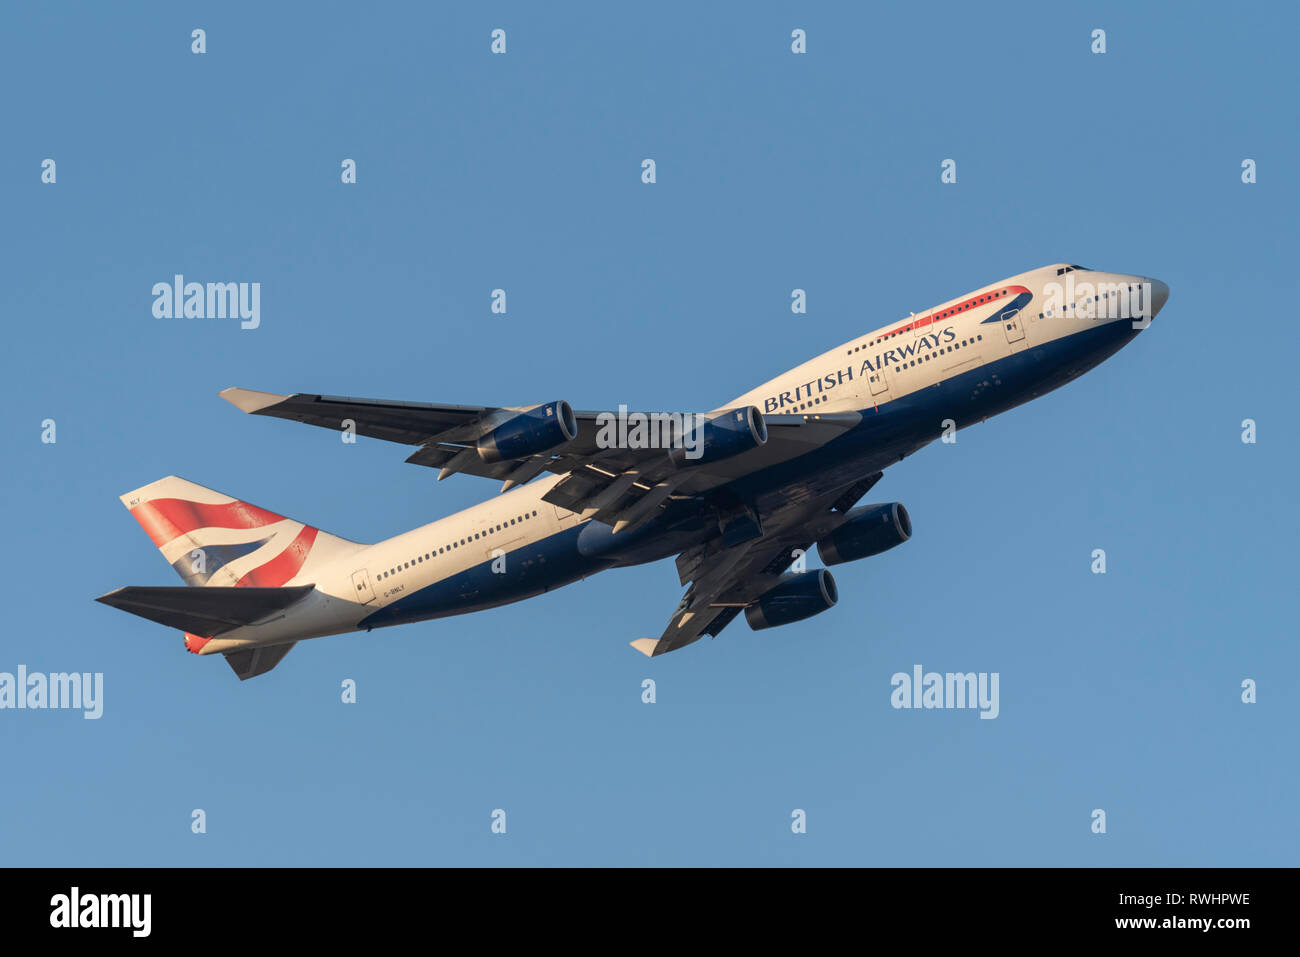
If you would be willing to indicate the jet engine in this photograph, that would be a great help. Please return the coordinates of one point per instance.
(531, 432)
(796, 596)
(868, 530)
(723, 435)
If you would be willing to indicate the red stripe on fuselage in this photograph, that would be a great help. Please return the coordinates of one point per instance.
(963, 306)
(285, 565)
(166, 519)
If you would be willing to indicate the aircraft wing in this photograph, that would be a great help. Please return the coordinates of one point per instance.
(411, 423)
(621, 486)
(723, 580)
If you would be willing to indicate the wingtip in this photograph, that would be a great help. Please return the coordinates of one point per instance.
(250, 400)
(645, 645)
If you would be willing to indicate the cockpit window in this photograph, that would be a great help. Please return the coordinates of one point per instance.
(1065, 269)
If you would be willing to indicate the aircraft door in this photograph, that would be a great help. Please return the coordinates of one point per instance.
(1013, 325)
(362, 591)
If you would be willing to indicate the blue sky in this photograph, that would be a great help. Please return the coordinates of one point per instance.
(775, 171)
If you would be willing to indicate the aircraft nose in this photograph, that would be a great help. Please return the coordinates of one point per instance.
(1159, 295)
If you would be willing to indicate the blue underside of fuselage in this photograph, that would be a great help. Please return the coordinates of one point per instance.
(886, 434)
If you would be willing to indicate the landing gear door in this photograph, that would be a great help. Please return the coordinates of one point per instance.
(361, 589)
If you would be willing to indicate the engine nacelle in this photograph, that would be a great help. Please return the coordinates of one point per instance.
(797, 596)
(531, 432)
(723, 435)
(868, 531)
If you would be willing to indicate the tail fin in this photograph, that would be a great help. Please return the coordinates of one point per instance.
(213, 539)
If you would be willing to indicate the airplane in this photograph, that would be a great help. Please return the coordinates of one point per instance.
(738, 494)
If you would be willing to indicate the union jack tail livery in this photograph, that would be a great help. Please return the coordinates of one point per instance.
(249, 565)
(213, 539)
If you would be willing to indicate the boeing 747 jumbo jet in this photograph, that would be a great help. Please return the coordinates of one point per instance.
(737, 494)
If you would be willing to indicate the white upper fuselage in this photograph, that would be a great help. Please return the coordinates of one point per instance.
(921, 350)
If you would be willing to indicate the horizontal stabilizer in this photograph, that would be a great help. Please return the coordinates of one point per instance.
(251, 662)
(206, 612)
